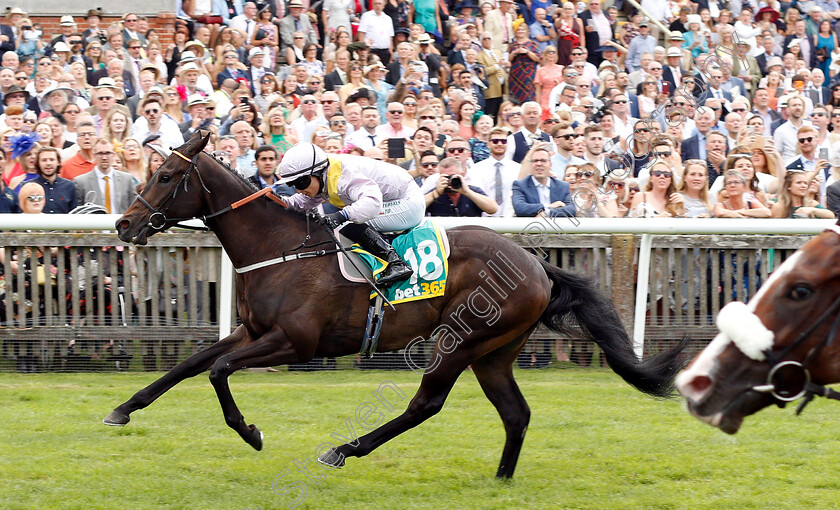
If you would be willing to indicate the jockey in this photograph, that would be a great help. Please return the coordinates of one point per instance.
(372, 196)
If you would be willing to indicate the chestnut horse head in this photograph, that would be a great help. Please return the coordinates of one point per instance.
(780, 347)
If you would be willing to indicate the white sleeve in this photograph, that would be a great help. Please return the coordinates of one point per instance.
(511, 147)
(364, 196)
(301, 202)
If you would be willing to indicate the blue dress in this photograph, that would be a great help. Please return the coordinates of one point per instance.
(825, 42)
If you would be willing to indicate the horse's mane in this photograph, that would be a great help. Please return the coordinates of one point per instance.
(233, 172)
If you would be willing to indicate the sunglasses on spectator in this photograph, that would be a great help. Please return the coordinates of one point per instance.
(616, 184)
(817, 114)
(739, 110)
(427, 117)
(621, 101)
(35, 198)
(309, 101)
(634, 188)
(585, 175)
(551, 121)
(661, 173)
(456, 150)
(152, 110)
(29, 121)
(328, 101)
(501, 141)
(409, 104)
(338, 123)
(807, 139)
(569, 136)
(396, 112)
(134, 47)
(430, 164)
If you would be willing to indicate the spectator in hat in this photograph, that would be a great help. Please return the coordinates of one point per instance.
(642, 43)
(695, 39)
(257, 68)
(66, 27)
(296, 21)
(200, 118)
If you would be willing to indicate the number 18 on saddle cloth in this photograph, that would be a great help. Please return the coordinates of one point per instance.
(424, 249)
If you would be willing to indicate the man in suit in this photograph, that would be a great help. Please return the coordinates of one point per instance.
(338, 77)
(458, 55)
(491, 59)
(761, 107)
(714, 87)
(130, 31)
(499, 23)
(295, 21)
(539, 194)
(806, 44)
(672, 72)
(112, 189)
(231, 69)
(769, 45)
(265, 158)
(695, 146)
(7, 39)
(815, 89)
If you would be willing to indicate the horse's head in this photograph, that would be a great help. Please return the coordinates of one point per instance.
(172, 194)
(769, 349)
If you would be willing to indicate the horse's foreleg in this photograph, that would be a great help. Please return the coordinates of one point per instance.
(434, 388)
(270, 349)
(494, 372)
(190, 367)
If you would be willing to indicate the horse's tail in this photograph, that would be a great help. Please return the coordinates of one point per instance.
(576, 301)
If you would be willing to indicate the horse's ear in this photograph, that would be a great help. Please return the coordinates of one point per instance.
(195, 144)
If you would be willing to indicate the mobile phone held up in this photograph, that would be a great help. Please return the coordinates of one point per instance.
(396, 148)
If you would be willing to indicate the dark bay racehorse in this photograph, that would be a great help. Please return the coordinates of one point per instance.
(294, 311)
(780, 347)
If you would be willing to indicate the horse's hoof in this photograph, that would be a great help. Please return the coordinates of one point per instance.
(116, 419)
(256, 439)
(332, 459)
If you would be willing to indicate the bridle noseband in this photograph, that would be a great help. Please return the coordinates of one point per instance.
(808, 388)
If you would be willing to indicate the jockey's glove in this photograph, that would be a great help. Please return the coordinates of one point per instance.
(333, 220)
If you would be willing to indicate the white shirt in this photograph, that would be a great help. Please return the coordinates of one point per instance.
(483, 175)
(511, 144)
(624, 129)
(241, 22)
(304, 128)
(170, 133)
(361, 138)
(544, 191)
(786, 139)
(378, 28)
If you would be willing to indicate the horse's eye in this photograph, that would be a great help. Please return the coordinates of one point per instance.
(164, 178)
(800, 292)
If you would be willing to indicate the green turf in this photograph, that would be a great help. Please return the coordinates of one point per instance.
(593, 442)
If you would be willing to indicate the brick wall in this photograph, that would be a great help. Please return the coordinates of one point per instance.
(164, 23)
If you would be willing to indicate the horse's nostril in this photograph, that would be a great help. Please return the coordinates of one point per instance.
(124, 224)
(700, 384)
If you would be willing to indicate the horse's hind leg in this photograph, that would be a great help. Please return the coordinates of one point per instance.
(270, 349)
(190, 367)
(434, 388)
(494, 372)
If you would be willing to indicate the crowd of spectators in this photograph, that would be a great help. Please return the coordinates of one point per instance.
(525, 108)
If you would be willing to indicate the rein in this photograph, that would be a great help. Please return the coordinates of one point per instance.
(158, 219)
(808, 389)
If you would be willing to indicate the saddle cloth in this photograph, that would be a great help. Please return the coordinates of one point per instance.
(420, 247)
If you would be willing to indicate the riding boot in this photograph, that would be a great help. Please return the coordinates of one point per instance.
(372, 241)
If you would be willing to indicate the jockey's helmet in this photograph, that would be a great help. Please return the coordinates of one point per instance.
(304, 159)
